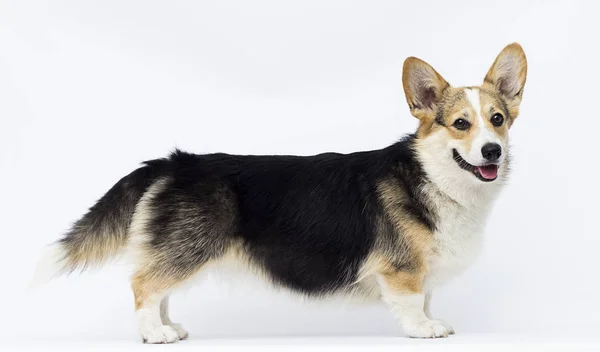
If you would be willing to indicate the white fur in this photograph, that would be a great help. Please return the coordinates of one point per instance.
(457, 239)
(138, 237)
(150, 323)
(508, 67)
(49, 266)
(427, 310)
(408, 309)
(462, 203)
(154, 323)
(484, 136)
(435, 154)
(166, 320)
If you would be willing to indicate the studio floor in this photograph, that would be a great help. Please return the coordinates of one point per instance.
(462, 342)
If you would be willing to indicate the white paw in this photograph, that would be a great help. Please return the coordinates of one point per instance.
(428, 329)
(181, 332)
(161, 334)
(448, 327)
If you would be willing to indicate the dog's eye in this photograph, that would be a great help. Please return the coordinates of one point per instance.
(497, 120)
(461, 124)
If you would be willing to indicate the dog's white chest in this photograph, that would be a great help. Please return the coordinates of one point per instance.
(457, 242)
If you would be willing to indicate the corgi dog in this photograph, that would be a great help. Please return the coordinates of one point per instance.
(390, 224)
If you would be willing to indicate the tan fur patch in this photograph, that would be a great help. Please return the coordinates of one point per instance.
(422, 87)
(501, 92)
(94, 249)
(491, 103)
(392, 198)
(452, 105)
(455, 105)
(146, 284)
(411, 256)
(155, 277)
(401, 282)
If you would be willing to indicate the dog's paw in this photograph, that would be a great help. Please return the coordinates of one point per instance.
(161, 334)
(181, 332)
(428, 329)
(448, 327)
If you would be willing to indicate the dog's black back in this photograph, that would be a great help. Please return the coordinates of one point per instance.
(308, 222)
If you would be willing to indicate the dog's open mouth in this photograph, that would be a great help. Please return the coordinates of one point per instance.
(485, 173)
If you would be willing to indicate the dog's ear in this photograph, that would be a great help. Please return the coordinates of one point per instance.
(423, 87)
(507, 76)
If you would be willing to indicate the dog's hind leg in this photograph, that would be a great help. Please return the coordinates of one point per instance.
(173, 235)
(149, 291)
(166, 320)
(159, 272)
(152, 285)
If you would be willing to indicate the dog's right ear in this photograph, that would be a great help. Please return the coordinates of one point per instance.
(423, 87)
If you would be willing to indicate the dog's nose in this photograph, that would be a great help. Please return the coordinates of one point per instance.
(491, 151)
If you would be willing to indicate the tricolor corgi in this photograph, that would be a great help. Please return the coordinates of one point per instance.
(391, 224)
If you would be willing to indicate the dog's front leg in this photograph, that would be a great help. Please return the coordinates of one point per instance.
(427, 309)
(403, 293)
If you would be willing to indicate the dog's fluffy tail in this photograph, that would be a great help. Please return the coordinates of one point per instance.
(49, 266)
(102, 232)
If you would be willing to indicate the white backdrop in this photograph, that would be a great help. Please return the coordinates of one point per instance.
(88, 89)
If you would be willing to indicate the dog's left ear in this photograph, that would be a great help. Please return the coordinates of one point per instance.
(507, 76)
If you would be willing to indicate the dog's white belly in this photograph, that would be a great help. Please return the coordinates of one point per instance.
(456, 245)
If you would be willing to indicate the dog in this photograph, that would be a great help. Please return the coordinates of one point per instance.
(390, 224)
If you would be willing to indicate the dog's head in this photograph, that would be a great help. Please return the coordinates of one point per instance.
(463, 132)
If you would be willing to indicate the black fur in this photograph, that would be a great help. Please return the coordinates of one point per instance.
(105, 226)
(309, 222)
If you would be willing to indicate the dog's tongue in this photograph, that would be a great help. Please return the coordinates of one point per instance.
(489, 172)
